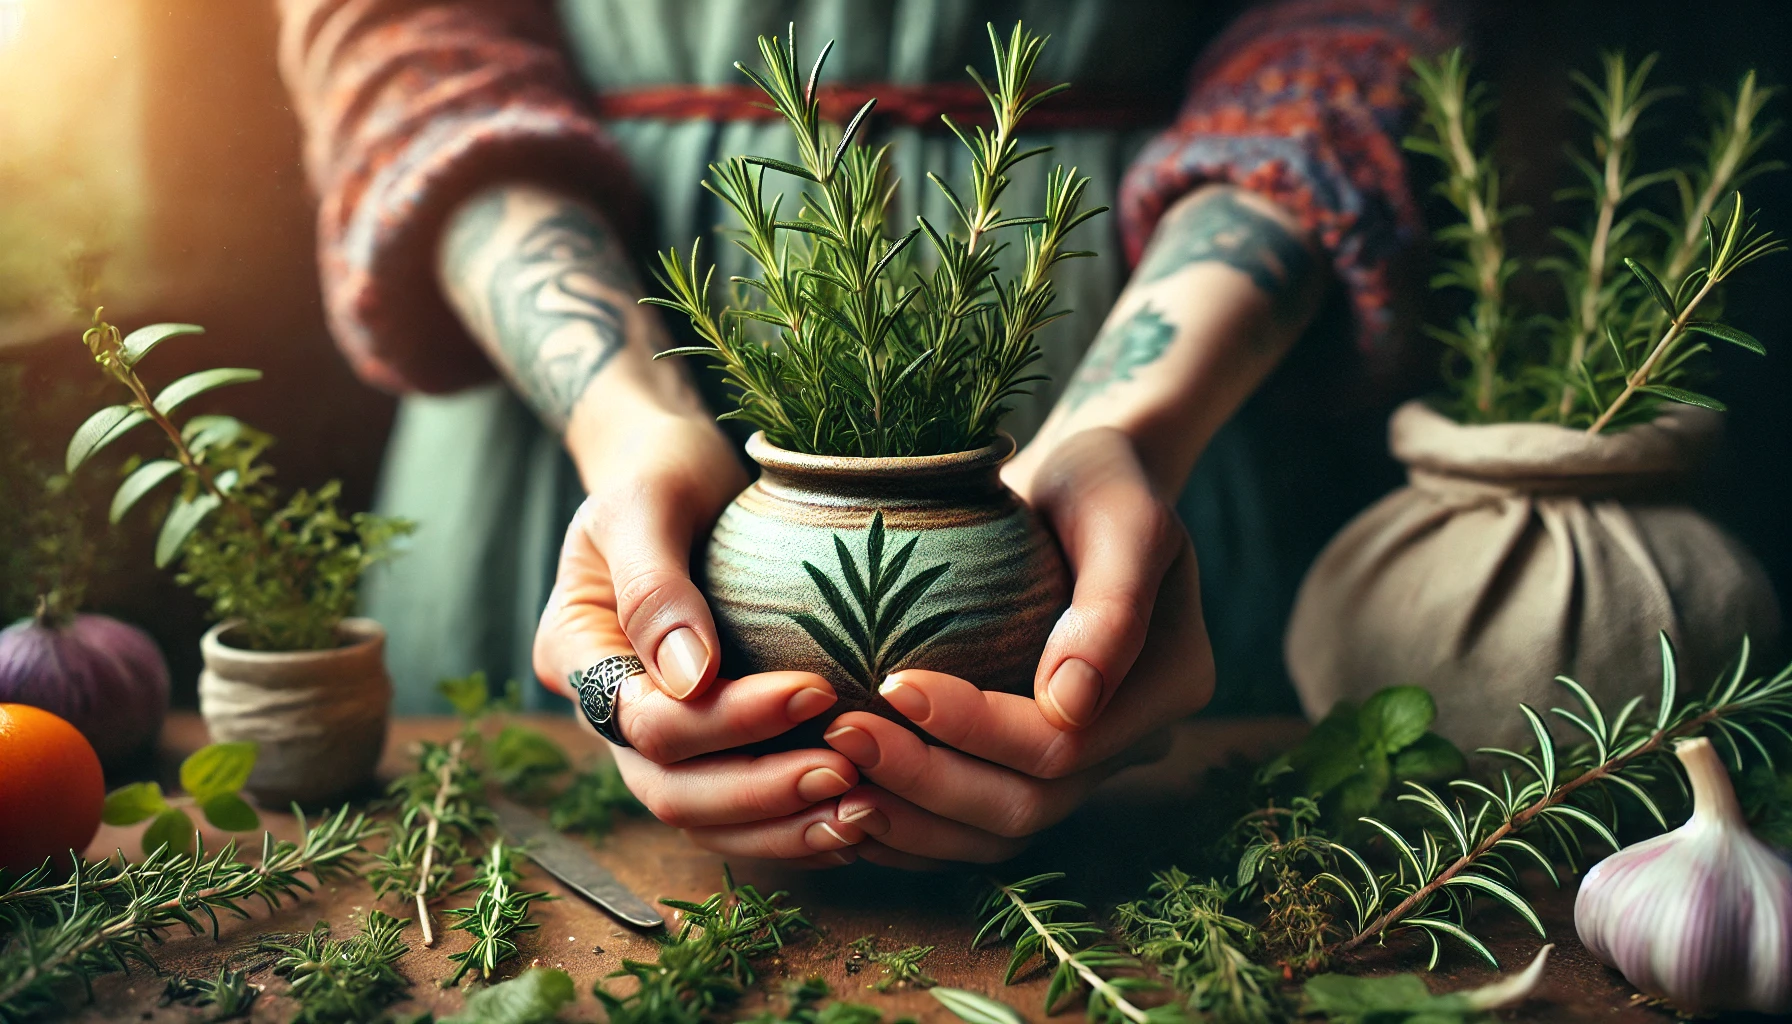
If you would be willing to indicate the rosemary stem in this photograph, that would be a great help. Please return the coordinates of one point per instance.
(1486, 251)
(444, 783)
(1089, 975)
(1519, 821)
(1596, 259)
(1641, 376)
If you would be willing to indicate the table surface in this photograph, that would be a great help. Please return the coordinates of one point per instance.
(1138, 822)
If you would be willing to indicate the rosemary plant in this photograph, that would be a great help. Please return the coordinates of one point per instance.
(1479, 834)
(344, 981)
(1034, 927)
(1204, 952)
(501, 911)
(839, 345)
(1640, 287)
(708, 965)
(55, 937)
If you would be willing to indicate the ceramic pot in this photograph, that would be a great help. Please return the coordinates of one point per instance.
(319, 717)
(1520, 551)
(853, 568)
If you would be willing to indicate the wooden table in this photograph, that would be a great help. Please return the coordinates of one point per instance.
(1136, 824)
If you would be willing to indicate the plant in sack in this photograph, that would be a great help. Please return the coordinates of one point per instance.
(1542, 528)
(878, 535)
(287, 667)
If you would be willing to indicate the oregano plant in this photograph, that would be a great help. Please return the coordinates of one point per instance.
(840, 343)
(288, 568)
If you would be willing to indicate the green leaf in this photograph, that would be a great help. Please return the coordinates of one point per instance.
(195, 384)
(183, 518)
(1685, 397)
(137, 344)
(217, 768)
(834, 647)
(977, 1009)
(100, 430)
(172, 828)
(1347, 997)
(521, 755)
(1724, 332)
(535, 996)
(1362, 792)
(467, 694)
(1396, 717)
(1332, 752)
(127, 805)
(1429, 757)
(1657, 290)
(1501, 893)
(141, 481)
(203, 432)
(230, 812)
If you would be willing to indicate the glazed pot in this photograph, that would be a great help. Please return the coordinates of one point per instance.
(1520, 551)
(853, 568)
(319, 717)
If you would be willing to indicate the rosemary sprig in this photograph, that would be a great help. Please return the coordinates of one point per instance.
(442, 813)
(230, 994)
(57, 936)
(1553, 791)
(344, 981)
(1035, 930)
(711, 961)
(900, 967)
(500, 912)
(1205, 953)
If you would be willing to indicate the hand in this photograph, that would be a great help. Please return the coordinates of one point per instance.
(623, 586)
(1013, 765)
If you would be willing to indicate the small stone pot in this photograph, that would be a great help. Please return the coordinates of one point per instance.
(319, 717)
(853, 568)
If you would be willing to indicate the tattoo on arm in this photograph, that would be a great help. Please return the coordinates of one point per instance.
(1220, 228)
(1119, 352)
(550, 283)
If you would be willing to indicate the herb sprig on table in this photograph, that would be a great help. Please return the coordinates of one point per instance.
(839, 344)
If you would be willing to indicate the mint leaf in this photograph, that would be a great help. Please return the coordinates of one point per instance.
(218, 768)
(468, 694)
(1396, 717)
(227, 811)
(172, 828)
(127, 805)
(1430, 757)
(1362, 792)
(533, 997)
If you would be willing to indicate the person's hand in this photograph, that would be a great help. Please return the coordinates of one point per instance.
(623, 586)
(1128, 657)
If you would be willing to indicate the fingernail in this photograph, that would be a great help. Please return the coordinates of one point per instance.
(1074, 689)
(681, 661)
(868, 818)
(823, 837)
(808, 702)
(856, 744)
(907, 699)
(821, 783)
(840, 857)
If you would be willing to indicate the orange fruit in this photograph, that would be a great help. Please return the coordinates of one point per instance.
(51, 788)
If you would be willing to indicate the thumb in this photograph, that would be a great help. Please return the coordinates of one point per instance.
(647, 546)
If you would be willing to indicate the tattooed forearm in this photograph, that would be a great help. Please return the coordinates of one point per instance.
(1219, 227)
(543, 284)
(1119, 351)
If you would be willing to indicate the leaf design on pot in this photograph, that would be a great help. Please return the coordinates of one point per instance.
(870, 636)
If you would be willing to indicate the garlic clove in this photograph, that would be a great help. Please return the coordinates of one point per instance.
(1701, 916)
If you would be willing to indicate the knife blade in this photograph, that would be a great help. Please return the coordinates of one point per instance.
(573, 864)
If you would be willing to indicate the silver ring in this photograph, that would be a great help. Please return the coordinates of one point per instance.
(598, 685)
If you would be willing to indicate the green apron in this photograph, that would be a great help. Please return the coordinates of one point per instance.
(493, 491)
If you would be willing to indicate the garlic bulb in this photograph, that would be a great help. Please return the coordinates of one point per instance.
(1701, 916)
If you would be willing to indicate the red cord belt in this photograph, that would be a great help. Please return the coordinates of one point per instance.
(914, 106)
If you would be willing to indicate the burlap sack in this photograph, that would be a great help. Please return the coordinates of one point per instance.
(1520, 551)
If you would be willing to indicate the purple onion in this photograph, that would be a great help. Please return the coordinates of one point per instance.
(106, 678)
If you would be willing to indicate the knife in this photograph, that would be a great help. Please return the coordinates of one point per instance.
(570, 862)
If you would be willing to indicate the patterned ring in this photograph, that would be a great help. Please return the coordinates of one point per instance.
(597, 686)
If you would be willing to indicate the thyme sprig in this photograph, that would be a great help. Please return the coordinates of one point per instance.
(1481, 833)
(496, 917)
(1035, 928)
(1207, 954)
(839, 345)
(344, 981)
(56, 936)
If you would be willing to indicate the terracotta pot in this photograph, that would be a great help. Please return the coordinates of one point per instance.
(319, 717)
(956, 573)
(1520, 551)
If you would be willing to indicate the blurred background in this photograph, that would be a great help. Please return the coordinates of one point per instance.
(149, 161)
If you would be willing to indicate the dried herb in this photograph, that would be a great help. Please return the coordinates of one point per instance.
(290, 569)
(840, 345)
(55, 937)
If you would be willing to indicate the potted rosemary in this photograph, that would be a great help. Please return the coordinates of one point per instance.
(877, 365)
(1542, 528)
(287, 666)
